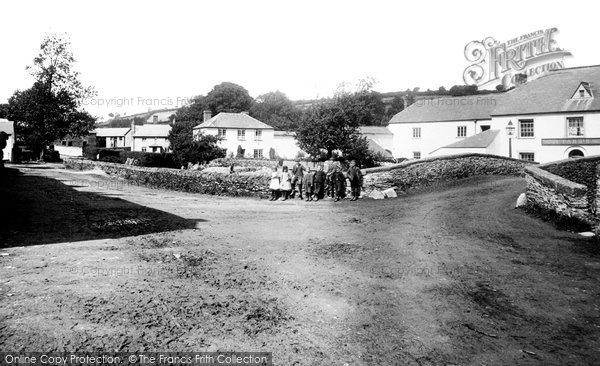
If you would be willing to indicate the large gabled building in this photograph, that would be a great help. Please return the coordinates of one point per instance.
(553, 117)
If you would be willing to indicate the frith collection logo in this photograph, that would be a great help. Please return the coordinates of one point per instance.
(526, 57)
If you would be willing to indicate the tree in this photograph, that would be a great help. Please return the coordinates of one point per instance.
(189, 150)
(396, 106)
(276, 110)
(52, 108)
(228, 97)
(328, 125)
(193, 111)
(3, 110)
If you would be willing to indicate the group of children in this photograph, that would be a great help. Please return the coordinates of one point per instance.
(315, 184)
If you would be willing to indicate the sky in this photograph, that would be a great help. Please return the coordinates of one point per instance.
(143, 55)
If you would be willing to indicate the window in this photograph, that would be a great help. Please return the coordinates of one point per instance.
(258, 153)
(462, 131)
(575, 126)
(526, 128)
(416, 155)
(70, 143)
(484, 128)
(143, 149)
(241, 134)
(143, 139)
(258, 135)
(416, 132)
(121, 138)
(221, 133)
(63, 143)
(582, 93)
(527, 156)
(155, 118)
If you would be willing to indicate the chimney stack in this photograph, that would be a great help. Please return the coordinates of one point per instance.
(406, 101)
(207, 116)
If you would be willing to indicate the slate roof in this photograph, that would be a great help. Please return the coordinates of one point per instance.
(375, 147)
(471, 107)
(7, 126)
(234, 120)
(374, 130)
(480, 140)
(111, 131)
(552, 93)
(152, 131)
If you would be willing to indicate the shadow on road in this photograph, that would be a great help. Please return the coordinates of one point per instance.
(39, 210)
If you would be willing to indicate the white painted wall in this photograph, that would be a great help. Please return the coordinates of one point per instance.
(433, 136)
(384, 140)
(66, 151)
(547, 126)
(286, 147)
(7, 151)
(148, 142)
(249, 143)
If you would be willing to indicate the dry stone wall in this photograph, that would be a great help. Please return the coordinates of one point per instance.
(254, 184)
(427, 172)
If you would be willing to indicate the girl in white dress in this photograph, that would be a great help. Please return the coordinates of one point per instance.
(285, 186)
(274, 185)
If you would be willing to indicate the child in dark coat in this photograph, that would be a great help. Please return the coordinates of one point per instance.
(308, 183)
(319, 183)
(356, 180)
(339, 183)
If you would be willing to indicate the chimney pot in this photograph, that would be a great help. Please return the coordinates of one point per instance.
(207, 115)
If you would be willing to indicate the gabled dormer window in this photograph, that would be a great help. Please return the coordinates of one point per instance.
(583, 91)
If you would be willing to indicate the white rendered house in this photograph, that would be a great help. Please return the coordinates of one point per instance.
(554, 117)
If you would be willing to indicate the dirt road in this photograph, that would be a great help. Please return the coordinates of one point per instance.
(449, 275)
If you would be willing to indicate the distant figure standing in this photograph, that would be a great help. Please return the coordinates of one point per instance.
(297, 175)
(274, 185)
(286, 183)
(319, 183)
(356, 180)
(307, 183)
(231, 169)
(339, 183)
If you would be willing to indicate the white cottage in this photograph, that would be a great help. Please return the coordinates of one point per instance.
(554, 117)
(151, 138)
(254, 137)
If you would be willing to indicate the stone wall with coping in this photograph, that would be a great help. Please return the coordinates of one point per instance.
(554, 193)
(431, 171)
(570, 188)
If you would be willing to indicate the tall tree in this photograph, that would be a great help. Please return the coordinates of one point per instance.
(3, 110)
(228, 97)
(52, 108)
(276, 110)
(203, 148)
(328, 125)
(193, 111)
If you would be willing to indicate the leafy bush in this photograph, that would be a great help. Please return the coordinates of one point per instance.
(187, 149)
(155, 160)
(90, 152)
(51, 156)
(113, 159)
(108, 152)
